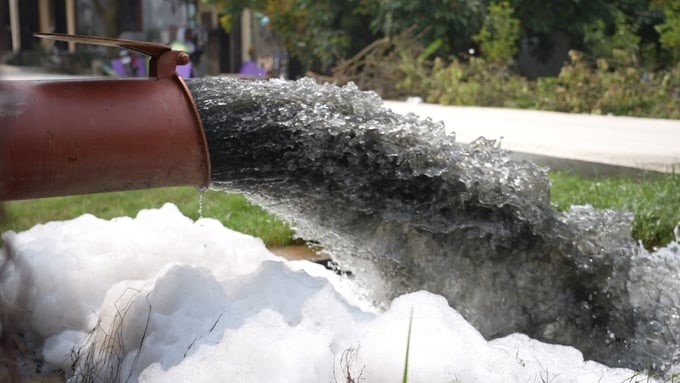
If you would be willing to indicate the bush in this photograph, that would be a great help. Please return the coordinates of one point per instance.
(499, 34)
(612, 84)
(476, 83)
(581, 87)
(626, 90)
(399, 67)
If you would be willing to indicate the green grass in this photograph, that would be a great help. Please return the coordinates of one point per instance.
(233, 210)
(404, 377)
(655, 201)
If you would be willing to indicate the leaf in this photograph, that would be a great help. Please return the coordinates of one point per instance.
(429, 50)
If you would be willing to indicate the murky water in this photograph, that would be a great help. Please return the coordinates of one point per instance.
(405, 207)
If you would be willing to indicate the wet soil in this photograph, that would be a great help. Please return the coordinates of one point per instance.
(300, 252)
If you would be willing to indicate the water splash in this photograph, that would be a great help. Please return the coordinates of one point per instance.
(201, 195)
(405, 207)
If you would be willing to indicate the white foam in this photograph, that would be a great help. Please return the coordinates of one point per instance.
(179, 300)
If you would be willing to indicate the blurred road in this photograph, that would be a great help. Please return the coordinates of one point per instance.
(643, 143)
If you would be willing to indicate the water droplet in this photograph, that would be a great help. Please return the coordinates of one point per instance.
(201, 194)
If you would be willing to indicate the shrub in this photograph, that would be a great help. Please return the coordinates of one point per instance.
(400, 67)
(476, 83)
(669, 30)
(625, 90)
(581, 87)
(499, 34)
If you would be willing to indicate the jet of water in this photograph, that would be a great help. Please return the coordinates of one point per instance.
(405, 207)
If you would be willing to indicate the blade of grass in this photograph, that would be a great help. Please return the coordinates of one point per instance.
(404, 378)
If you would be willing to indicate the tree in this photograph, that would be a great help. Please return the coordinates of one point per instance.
(453, 22)
(620, 45)
(499, 35)
(541, 17)
(669, 29)
(316, 32)
(321, 32)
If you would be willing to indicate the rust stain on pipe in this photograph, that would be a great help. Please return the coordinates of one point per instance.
(88, 136)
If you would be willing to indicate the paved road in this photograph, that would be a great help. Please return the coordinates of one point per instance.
(644, 143)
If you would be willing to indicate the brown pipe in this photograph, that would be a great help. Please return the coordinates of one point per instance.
(88, 136)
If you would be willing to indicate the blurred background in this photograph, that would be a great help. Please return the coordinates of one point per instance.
(387, 46)
(188, 25)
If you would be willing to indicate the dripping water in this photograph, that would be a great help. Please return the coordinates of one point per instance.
(201, 195)
(403, 206)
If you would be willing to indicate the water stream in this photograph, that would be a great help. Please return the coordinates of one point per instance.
(404, 207)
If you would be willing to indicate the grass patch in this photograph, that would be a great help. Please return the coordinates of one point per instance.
(655, 201)
(233, 210)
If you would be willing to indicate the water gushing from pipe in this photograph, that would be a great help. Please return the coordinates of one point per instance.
(404, 207)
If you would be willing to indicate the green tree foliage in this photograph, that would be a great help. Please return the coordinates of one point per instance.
(621, 47)
(543, 21)
(541, 17)
(669, 29)
(316, 32)
(499, 35)
(321, 32)
(453, 22)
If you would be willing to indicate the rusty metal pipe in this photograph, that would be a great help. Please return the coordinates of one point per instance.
(88, 136)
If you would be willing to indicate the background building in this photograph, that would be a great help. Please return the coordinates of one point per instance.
(189, 23)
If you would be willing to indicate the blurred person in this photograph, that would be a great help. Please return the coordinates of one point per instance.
(251, 67)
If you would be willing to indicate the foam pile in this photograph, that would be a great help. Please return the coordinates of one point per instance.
(161, 298)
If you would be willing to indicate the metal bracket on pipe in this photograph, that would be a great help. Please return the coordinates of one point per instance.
(163, 58)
